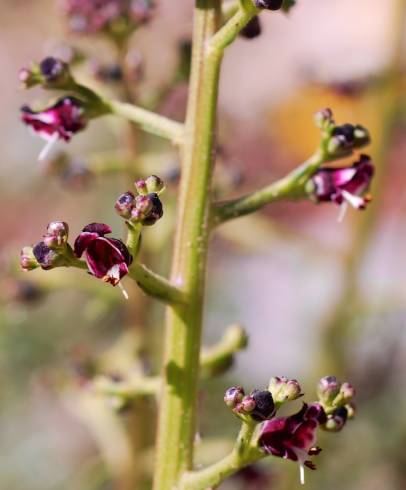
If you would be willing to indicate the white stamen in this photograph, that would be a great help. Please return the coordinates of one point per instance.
(356, 202)
(125, 294)
(48, 147)
(302, 473)
(342, 212)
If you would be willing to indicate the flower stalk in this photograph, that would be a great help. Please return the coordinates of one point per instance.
(291, 186)
(244, 453)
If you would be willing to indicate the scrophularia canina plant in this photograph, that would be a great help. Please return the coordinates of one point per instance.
(112, 260)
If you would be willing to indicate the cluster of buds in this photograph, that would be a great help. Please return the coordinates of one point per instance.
(340, 141)
(52, 251)
(261, 405)
(115, 17)
(336, 399)
(284, 390)
(342, 185)
(144, 208)
(292, 437)
(257, 406)
(106, 258)
(50, 73)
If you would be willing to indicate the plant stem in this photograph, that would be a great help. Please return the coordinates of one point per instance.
(127, 389)
(290, 186)
(177, 417)
(155, 285)
(242, 455)
(147, 120)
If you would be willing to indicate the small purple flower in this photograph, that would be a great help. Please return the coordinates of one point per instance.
(294, 437)
(107, 258)
(346, 185)
(60, 121)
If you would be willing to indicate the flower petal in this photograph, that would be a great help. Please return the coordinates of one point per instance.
(100, 228)
(82, 242)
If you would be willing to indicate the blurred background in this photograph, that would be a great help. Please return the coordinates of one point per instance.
(316, 296)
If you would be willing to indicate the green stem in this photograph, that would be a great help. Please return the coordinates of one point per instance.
(290, 186)
(155, 285)
(151, 283)
(127, 389)
(148, 121)
(243, 454)
(177, 417)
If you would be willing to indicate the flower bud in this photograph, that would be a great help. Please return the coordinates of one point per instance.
(351, 410)
(336, 420)
(345, 395)
(147, 209)
(361, 136)
(154, 184)
(284, 389)
(247, 405)
(233, 396)
(347, 137)
(55, 72)
(57, 234)
(28, 262)
(252, 29)
(29, 77)
(264, 405)
(268, 4)
(125, 204)
(141, 187)
(323, 118)
(47, 257)
(327, 389)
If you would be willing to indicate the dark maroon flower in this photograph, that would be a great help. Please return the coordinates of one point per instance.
(294, 437)
(60, 121)
(345, 185)
(107, 258)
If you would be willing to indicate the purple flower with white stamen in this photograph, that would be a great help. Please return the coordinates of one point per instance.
(346, 185)
(294, 437)
(107, 258)
(60, 121)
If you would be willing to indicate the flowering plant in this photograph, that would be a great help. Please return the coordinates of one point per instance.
(319, 179)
